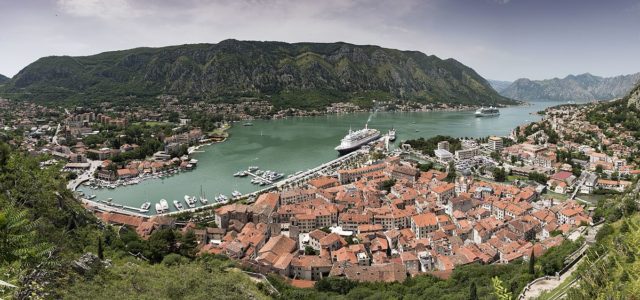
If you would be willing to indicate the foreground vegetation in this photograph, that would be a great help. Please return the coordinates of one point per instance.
(44, 232)
(612, 269)
(208, 277)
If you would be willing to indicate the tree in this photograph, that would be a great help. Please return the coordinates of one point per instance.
(496, 156)
(5, 151)
(499, 290)
(576, 170)
(387, 185)
(473, 291)
(174, 117)
(100, 249)
(532, 263)
(615, 175)
(499, 175)
(115, 144)
(161, 243)
(188, 244)
(426, 166)
(451, 173)
(599, 169)
(173, 259)
(538, 177)
(530, 235)
(308, 250)
(18, 237)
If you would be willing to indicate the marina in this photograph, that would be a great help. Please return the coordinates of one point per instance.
(292, 147)
(260, 177)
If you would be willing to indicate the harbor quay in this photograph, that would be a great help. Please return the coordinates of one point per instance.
(294, 180)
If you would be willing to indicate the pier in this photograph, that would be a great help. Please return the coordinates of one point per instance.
(122, 209)
(305, 175)
(279, 185)
(258, 176)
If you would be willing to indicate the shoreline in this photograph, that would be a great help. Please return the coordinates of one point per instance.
(199, 148)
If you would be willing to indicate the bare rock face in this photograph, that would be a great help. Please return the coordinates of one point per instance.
(634, 98)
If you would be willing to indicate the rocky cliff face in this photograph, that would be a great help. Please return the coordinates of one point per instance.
(634, 98)
(232, 69)
(584, 87)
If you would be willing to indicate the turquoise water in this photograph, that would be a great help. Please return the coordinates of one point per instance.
(295, 144)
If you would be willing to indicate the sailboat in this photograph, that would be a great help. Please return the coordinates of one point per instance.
(203, 198)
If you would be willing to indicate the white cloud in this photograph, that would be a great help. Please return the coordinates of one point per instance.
(111, 9)
(492, 41)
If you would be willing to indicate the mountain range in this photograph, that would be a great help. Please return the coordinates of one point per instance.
(583, 87)
(4, 79)
(499, 85)
(289, 74)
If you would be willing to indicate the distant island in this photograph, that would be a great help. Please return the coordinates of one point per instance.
(298, 75)
(583, 87)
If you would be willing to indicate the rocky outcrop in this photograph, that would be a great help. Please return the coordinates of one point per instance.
(89, 263)
(634, 98)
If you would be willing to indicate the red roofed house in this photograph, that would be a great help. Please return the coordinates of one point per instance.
(423, 224)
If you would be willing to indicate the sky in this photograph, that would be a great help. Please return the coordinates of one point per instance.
(500, 39)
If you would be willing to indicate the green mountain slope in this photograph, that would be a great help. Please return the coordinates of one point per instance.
(301, 74)
(583, 87)
(4, 79)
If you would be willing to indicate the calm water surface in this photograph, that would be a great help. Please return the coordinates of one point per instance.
(295, 144)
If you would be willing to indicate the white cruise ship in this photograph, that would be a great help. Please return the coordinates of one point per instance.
(487, 112)
(356, 139)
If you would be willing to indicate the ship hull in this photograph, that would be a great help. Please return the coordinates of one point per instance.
(481, 115)
(343, 151)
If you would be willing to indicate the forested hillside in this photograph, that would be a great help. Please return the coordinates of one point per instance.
(304, 75)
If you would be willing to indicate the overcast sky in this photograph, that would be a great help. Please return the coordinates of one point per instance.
(500, 39)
